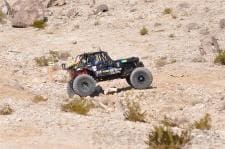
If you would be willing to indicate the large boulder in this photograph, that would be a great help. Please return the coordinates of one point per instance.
(26, 12)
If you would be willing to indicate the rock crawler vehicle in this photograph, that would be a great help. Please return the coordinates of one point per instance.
(89, 68)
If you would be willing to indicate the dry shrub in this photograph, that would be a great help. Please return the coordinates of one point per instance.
(6, 110)
(40, 24)
(204, 123)
(52, 57)
(80, 106)
(220, 58)
(144, 31)
(167, 11)
(41, 61)
(39, 98)
(134, 113)
(2, 17)
(165, 138)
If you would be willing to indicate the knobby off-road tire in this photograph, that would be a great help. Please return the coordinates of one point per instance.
(141, 78)
(84, 85)
(70, 91)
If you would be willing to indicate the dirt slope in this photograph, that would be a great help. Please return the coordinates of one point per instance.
(183, 89)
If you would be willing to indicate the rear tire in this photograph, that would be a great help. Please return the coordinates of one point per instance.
(84, 85)
(141, 78)
(70, 91)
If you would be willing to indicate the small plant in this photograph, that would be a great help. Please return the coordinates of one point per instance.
(6, 110)
(164, 138)
(39, 24)
(169, 122)
(39, 98)
(220, 58)
(134, 113)
(167, 11)
(204, 123)
(144, 31)
(80, 106)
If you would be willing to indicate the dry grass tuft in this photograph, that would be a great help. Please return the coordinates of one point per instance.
(41, 61)
(144, 31)
(220, 58)
(134, 113)
(40, 24)
(39, 98)
(165, 138)
(204, 123)
(167, 11)
(80, 106)
(52, 57)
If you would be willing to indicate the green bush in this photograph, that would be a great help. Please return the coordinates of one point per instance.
(164, 138)
(220, 58)
(39, 24)
(80, 106)
(134, 113)
(144, 31)
(204, 123)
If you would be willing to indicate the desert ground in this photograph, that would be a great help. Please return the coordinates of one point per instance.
(187, 84)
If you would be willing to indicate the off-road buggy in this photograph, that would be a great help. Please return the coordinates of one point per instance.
(89, 68)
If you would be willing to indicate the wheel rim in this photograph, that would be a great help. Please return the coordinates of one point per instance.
(141, 78)
(85, 86)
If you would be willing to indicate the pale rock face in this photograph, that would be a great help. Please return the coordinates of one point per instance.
(25, 12)
(5, 7)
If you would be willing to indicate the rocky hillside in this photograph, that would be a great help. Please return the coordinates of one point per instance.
(179, 44)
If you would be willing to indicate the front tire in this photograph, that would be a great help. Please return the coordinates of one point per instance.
(128, 80)
(141, 78)
(84, 85)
